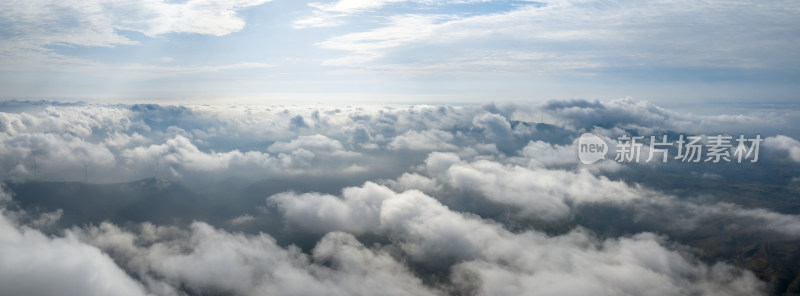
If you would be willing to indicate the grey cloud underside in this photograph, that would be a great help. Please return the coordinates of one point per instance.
(403, 200)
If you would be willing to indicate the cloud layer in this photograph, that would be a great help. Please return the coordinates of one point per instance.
(407, 200)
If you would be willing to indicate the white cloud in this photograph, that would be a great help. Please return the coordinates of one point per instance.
(241, 220)
(333, 13)
(495, 126)
(120, 143)
(179, 151)
(547, 194)
(428, 140)
(75, 121)
(780, 142)
(409, 181)
(363, 271)
(577, 265)
(610, 117)
(410, 222)
(542, 154)
(676, 214)
(367, 46)
(559, 36)
(53, 153)
(350, 6)
(119, 140)
(504, 263)
(358, 212)
(44, 22)
(33, 26)
(34, 264)
(330, 14)
(204, 259)
(314, 143)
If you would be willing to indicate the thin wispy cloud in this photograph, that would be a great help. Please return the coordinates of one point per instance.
(514, 47)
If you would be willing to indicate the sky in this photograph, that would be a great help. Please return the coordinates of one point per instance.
(391, 51)
(398, 147)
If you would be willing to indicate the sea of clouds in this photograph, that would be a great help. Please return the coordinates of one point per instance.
(379, 200)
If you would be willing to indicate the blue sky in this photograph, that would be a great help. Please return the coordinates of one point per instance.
(394, 51)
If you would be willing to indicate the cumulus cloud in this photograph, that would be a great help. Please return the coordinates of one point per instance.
(543, 154)
(495, 261)
(204, 259)
(575, 265)
(784, 143)
(357, 213)
(54, 153)
(495, 126)
(430, 140)
(200, 259)
(422, 200)
(34, 264)
(647, 118)
(675, 214)
(547, 194)
(180, 151)
(116, 143)
(315, 143)
(409, 181)
(119, 143)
